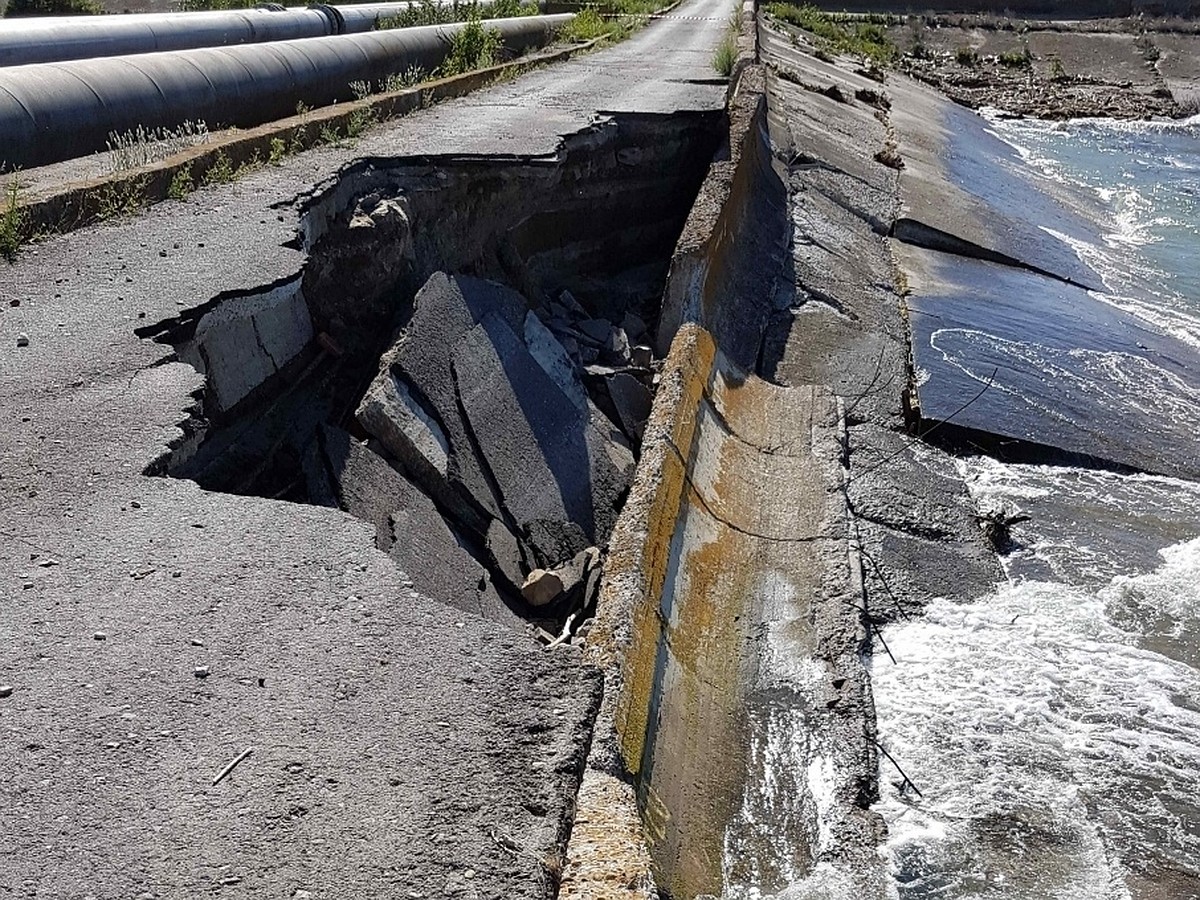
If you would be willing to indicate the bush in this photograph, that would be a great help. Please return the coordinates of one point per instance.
(966, 56)
(17, 8)
(472, 47)
(586, 26)
(1017, 59)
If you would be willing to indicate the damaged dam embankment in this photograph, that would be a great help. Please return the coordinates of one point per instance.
(660, 373)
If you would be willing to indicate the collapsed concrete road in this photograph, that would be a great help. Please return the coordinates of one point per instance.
(157, 630)
(398, 402)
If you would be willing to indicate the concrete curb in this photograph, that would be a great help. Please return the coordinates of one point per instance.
(639, 549)
(79, 204)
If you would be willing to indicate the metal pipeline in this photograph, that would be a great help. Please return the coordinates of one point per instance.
(60, 38)
(56, 111)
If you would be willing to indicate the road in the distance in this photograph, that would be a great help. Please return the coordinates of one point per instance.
(392, 737)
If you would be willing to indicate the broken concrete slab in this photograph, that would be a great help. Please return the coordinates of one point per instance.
(558, 471)
(413, 405)
(409, 527)
(239, 345)
(1032, 368)
(962, 191)
(632, 401)
(552, 356)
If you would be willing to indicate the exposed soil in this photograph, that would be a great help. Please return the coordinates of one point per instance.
(1051, 70)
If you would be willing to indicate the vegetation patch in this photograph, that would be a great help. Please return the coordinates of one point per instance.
(17, 8)
(863, 37)
(181, 183)
(472, 47)
(611, 20)
(1016, 59)
(12, 221)
(142, 146)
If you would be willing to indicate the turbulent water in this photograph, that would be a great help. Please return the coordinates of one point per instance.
(1052, 727)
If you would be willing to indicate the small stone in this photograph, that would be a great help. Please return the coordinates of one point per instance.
(22, 340)
(598, 330)
(47, 563)
(99, 636)
(201, 671)
(541, 587)
(25, 586)
(14, 302)
(162, 252)
(633, 324)
(617, 345)
(5, 690)
(641, 356)
(196, 642)
(470, 873)
(133, 504)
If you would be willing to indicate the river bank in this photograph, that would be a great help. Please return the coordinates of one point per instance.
(1117, 68)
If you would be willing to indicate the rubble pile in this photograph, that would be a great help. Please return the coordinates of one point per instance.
(495, 447)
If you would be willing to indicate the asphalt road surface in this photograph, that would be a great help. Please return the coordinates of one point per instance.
(151, 632)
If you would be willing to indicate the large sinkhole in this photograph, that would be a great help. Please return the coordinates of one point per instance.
(464, 362)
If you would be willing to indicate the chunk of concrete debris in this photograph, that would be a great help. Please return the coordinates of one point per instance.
(482, 406)
(504, 552)
(574, 573)
(634, 326)
(412, 407)
(616, 348)
(552, 356)
(569, 582)
(567, 299)
(541, 588)
(558, 469)
(632, 401)
(407, 525)
(597, 330)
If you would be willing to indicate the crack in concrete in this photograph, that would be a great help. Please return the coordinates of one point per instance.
(917, 233)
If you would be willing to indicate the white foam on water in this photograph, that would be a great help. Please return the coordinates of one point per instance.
(1042, 737)
(1056, 750)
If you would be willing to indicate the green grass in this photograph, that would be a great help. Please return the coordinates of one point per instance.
(725, 55)
(181, 183)
(612, 20)
(586, 26)
(839, 34)
(472, 47)
(221, 171)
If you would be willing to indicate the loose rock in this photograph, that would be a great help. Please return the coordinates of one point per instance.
(5, 690)
(22, 340)
(541, 587)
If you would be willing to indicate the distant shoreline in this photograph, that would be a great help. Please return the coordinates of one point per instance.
(1057, 70)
